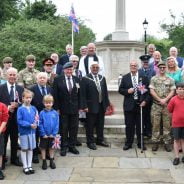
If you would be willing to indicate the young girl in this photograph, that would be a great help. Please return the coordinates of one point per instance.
(48, 128)
(27, 119)
(175, 107)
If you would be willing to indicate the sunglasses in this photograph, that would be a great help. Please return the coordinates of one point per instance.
(48, 65)
(8, 62)
(74, 61)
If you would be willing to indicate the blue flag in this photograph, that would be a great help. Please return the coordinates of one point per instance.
(74, 20)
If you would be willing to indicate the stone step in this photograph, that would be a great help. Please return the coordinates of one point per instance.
(115, 119)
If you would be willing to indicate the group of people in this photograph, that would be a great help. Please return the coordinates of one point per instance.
(36, 105)
(153, 99)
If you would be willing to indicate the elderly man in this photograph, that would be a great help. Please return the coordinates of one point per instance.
(151, 49)
(11, 96)
(156, 59)
(7, 63)
(85, 62)
(27, 76)
(57, 68)
(65, 57)
(66, 97)
(162, 88)
(76, 72)
(94, 101)
(83, 51)
(134, 98)
(173, 51)
(40, 90)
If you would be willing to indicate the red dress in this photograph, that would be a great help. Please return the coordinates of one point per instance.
(3, 114)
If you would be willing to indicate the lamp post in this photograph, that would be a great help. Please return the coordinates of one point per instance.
(145, 26)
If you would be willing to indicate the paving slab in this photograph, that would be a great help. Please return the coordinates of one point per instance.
(106, 162)
(161, 163)
(161, 153)
(178, 175)
(120, 175)
(141, 163)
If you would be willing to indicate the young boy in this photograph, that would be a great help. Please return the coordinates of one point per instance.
(175, 107)
(27, 119)
(48, 128)
(3, 121)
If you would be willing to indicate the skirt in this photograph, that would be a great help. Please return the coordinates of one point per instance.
(178, 133)
(27, 142)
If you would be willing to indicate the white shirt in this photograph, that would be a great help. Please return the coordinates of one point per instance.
(90, 60)
(9, 88)
(66, 78)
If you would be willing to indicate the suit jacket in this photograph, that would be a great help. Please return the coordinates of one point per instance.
(59, 69)
(5, 97)
(63, 59)
(90, 95)
(37, 100)
(64, 101)
(149, 73)
(126, 83)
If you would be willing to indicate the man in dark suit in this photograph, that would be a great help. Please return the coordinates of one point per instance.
(94, 101)
(135, 95)
(66, 97)
(11, 95)
(65, 57)
(57, 68)
(40, 90)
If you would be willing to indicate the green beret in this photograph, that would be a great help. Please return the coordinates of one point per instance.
(161, 63)
(7, 60)
(30, 58)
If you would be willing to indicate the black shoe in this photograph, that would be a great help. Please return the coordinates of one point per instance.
(73, 150)
(148, 135)
(35, 159)
(168, 147)
(103, 143)
(155, 147)
(180, 150)
(31, 170)
(52, 164)
(63, 152)
(92, 146)
(144, 147)
(16, 162)
(126, 147)
(176, 161)
(1, 175)
(3, 165)
(78, 143)
(44, 165)
(182, 159)
(26, 171)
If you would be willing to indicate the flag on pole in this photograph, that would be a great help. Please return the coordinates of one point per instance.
(74, 20)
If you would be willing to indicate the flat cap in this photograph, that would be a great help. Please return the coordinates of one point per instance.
(161, 63)
(7, 60)
(145, 57)
(30, 58)
(68, 65)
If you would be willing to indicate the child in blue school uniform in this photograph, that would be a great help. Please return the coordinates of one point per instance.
(27, 119)
(48, 128)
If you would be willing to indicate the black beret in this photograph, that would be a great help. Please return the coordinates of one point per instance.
(68, 65)
(48, 61)
(145, 57)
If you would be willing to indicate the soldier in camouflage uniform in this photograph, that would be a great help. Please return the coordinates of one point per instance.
(162, 88)
(27, 76)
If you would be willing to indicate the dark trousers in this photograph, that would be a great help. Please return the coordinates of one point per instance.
(147, 119)
(95, 120)
(132, 122)
(12, 131)
(69, 129)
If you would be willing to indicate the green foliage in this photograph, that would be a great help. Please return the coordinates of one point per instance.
(40, 38)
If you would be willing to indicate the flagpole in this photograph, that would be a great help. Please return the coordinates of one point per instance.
(72, 39)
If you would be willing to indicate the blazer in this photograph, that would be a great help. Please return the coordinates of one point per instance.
(90, 96)
(59, 69)
(129, 101)
(64, 101)
(37, 100)
(64, 59)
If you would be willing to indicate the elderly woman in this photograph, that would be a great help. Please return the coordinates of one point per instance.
(173, 71)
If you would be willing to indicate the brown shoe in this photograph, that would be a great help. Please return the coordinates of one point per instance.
(155, 147)
(168, 147)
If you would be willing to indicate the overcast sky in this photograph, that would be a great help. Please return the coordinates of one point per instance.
(100, 14)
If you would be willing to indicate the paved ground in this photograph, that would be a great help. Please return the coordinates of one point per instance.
(104, 166)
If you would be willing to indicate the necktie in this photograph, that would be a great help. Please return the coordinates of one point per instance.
(98, 88)
(12, 94)
(43, 91)
(69, 85)
(135, 87)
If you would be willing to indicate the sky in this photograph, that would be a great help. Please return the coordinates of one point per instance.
(99, 15)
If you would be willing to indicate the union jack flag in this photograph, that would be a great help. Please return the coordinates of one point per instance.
(74, 20)
(36, 121)
(141, 88)
(56, 142)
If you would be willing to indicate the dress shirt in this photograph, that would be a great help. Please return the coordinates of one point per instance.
(66, 78)
(9, 88)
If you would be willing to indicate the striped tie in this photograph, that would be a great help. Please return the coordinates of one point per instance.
(135, 87)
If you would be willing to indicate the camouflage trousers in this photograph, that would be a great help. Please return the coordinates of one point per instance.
(159, 113)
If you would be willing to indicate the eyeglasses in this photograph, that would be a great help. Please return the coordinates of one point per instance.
(95, 67)
(48, 65)
(162, 67)
(8, 62)
(75, 61)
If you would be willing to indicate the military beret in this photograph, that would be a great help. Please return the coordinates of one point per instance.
(68, 65)
(161, 63)
(48, 61)
(30, 58)
(7, 60)
(145, 57)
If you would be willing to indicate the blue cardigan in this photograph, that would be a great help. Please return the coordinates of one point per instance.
(25, 118)
(49, 122)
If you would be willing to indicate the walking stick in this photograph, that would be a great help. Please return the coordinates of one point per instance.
(141, 132)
